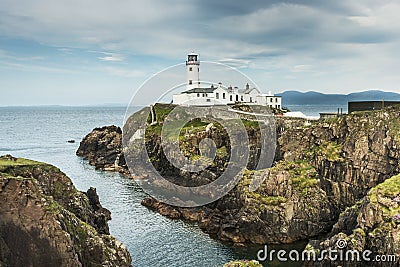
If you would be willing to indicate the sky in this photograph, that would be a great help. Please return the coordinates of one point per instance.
(73, 52)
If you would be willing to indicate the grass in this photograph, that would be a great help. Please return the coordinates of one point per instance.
(222, 152)
(385, 194)
(6, 162)
(162, 111)
(53, 207)
(243, 263)
(18, 162)
(303, 176)
(394, 126)
(260, 199)
(330, 150)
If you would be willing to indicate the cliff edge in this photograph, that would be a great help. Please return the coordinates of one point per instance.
(320, 169)
(46, 221)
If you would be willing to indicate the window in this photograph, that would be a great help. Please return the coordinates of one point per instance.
(241, 98)
(190, 69)
(271, 100)
(279, 106)
(208, 100)
(204, 95)
(251, 100)
(237, 98)
(198, 94)
(217, 95)
(223, 95)
(231, 97)
(276, 99)
(190, 81)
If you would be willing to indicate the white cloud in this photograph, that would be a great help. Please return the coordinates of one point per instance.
(302, 68)
(349, 44)
(34, 68)
(112, 57)
(236, 63)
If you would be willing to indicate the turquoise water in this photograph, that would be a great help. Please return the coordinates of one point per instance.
(41, 133)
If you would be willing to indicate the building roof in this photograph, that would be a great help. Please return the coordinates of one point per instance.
(200, 90)
(248, 90)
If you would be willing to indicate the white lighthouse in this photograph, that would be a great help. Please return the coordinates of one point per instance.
(192, 70)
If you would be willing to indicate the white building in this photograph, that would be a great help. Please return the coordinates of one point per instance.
(196, 95)
(192, 71)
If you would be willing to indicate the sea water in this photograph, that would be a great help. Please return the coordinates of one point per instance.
(41, 133)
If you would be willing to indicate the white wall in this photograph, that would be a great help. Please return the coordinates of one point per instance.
(212, 99)
(192, 74)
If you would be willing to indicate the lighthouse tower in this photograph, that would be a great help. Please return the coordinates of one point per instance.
(192, 70)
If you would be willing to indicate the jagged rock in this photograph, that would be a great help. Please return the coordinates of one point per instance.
(371, 224)
(45, 221)
(103, 148)
(320, 169)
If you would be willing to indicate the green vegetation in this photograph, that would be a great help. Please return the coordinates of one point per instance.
(53, 206)
(162, 111)
(387, 195)
(303, 176)
(394, 126)
(222, 152)
(8, 161)
(243, 263)
(250, 124)
(258, 197)
(327, 149)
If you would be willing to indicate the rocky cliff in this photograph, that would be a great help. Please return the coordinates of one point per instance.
(371, 225)
(46, 221)
(320, 169)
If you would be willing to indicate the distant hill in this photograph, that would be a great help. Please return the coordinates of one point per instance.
(315, 98)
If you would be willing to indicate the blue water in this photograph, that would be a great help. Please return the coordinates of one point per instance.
(313, 111)
(40, 133)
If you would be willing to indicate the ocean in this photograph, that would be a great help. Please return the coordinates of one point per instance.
(41, 133)
(313, 110)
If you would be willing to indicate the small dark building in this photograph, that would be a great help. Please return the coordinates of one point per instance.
(328, 115)
(370, 105)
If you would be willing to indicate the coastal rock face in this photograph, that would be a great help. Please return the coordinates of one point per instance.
(242, 263)
(45, 221)
(320, 169)
(372, 224)
(103, 147)
(352, 154)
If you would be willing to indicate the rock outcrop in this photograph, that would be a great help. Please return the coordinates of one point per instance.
(320, 169)
(46, 221)
(103, 148)
(242, 263)
(371, 226)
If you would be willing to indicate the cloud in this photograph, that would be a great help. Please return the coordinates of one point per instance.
(6, 55)
(343, 43)
(34, 68)
(301, 68)
(112, 57)
(236, 63)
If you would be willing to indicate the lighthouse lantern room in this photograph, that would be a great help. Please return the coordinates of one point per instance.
(192, 70)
